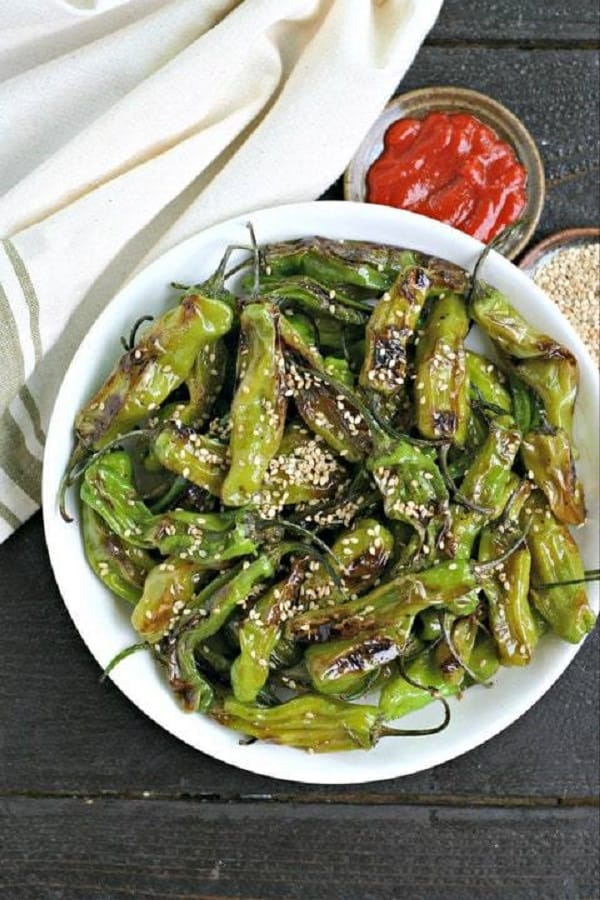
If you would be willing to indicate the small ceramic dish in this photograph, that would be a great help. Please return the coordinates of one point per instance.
(541, 254)
(507, 126)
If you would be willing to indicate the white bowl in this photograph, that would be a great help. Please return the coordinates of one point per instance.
(103, 621)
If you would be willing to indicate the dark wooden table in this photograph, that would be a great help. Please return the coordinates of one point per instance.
(98, 802)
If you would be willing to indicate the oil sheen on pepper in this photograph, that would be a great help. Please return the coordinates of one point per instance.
(450, 167)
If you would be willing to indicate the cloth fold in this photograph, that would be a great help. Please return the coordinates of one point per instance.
(129, 125)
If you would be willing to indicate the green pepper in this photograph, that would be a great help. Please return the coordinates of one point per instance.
(390, 329)
(259, 405)
(313, 723)
(307, 294)
(332, 263)
(340, 370)
(546, 366)
(204, 621)
(453, 653)
(400, 697)
(441, 377)
(485, 488)
(260, 633)
(555, 558)
(208, 539)
(304, 470)
(197, 457)
(507, 591)
(167, 591)
(117, 563)
(204, 382)
(411, 485)
(346, 667)
(548, 459)
(508, 329)
(146, 374)
(362, 552)
(329, 410)
(449, 585)
(486, 383)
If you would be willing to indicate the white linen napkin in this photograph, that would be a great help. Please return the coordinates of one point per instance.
(128, 125)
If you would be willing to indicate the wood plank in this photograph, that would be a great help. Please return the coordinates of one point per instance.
(66, 849)
(66, 732)
(524, 21)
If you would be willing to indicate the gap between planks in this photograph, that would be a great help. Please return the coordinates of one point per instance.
(346, 799)
(539, 44)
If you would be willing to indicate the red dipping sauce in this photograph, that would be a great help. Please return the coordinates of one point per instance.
(451, 167)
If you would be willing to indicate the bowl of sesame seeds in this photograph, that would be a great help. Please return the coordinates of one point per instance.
(566, 266)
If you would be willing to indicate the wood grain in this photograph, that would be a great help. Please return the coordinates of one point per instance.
(527, 21)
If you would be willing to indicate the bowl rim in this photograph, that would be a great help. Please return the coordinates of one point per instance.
(132, 677)
(564, 238)
(453, 95)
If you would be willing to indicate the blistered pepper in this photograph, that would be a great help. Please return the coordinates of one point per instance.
(197, 457)
(411, 485)
(506, 589)
(555, 558)
(449, 585)
(390, 330)
(548, 458)
(336, 262)
(546, 366)
(487, 384)
(259, 405)
(147, 373)
(117, 563)
(209, 538)
(347, 667)
(441, 378)
(400, 696)
(485, 488)
(168, 589)
(260, 633)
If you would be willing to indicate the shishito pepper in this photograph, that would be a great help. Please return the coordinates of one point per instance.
(332, 263)
(411, 485)
(259, 405)
(453, 652)
(511, 620)
(554, 559)
(362, 552)
(546, 366)
(304, 470)
(347, 667)
(260, 633)
(487, 383)
(307, 294)
(389, 331)
(329, 410)
(167, 591)
(147, 373)
(426, 681)
(203, 622)
(117, 563)
(548, 458)
(197, 457)
(485, 488)
(208, 538)
(313, 723)
(449, 585)
(441, 377)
